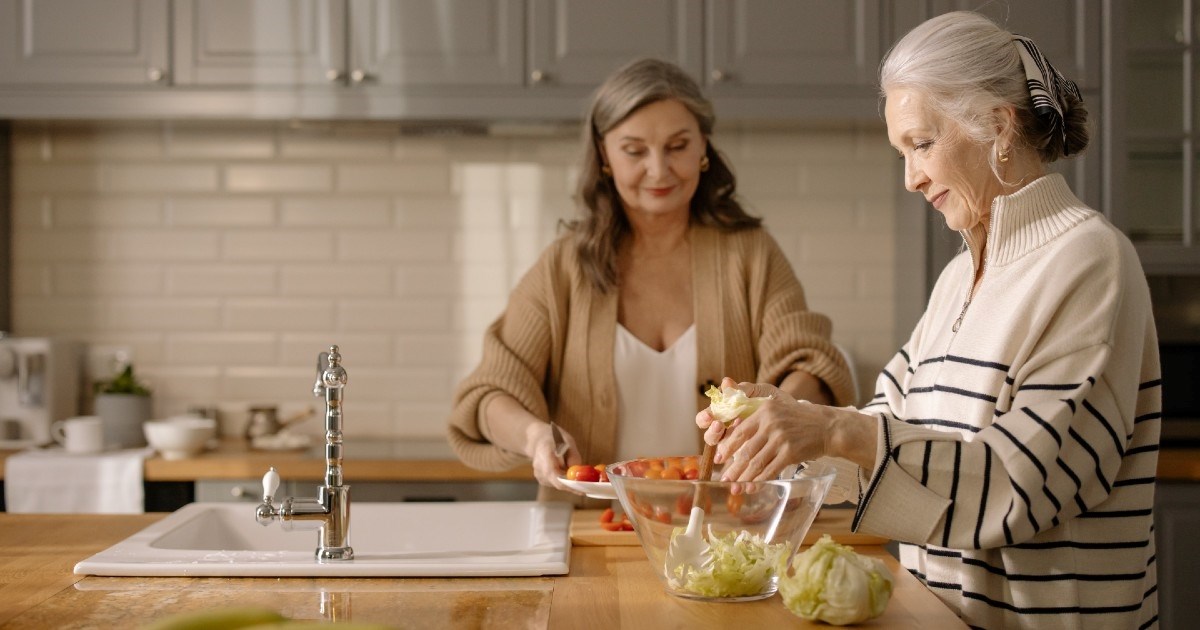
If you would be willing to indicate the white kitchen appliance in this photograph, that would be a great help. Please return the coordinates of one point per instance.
(39, 384)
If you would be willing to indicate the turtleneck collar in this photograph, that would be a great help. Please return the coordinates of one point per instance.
(1026, 220)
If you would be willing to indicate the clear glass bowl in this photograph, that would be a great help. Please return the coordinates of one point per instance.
(745, 539)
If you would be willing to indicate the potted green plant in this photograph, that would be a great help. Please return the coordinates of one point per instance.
(123, 404)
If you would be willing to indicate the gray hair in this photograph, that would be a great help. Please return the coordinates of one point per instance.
(967, 68)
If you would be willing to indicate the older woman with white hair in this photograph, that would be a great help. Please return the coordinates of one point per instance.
(1012, 443)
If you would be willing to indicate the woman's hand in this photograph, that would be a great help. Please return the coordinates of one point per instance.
(785, 431)
(540, 449)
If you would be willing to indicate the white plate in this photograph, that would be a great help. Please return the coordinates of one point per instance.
(594, 489)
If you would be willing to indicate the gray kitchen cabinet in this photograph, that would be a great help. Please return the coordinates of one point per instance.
(577, 43)
(83, 42)
(1176, 521)
(436, 43)
(263, 43)
(790, 46)
(314, 43)
(1153, 171)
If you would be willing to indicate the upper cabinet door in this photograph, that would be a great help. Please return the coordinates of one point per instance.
(578, 43)
(83, 42)
(792, 43)
(437, 43)
(259, 42)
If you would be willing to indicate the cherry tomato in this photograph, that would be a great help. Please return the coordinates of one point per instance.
(581, 472)
(654, 473)
(603, 473)
(734, 502)
(672, 473)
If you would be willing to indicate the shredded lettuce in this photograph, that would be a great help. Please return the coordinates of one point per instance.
(832, 583)
(731, 403)
(738, 564)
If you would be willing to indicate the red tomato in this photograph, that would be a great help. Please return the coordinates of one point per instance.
(581, 472)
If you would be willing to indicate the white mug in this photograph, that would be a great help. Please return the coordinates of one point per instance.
(84, 434)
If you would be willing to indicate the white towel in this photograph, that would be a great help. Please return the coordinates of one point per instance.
(54, 481)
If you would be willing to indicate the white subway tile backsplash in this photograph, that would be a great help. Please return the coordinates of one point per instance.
(226, 254)
(222, 349)
(220, 140)
(419, 211)
(440, 350)
(160, 178)
(220, 211)
(395, 177)
(278, 245)
(394, 316)
(336, 211)
(373, 141)
(32, 212)
(369, 350)
(278, 178)
(420, 420)
(161, 245)
(107, 279)
(335, 280)
(428, 385)
(57, 177)
(412, 246)
(221, 280)
(269, 385)
(451, 280)
(279, 314)
(73, 212)
(114, 141)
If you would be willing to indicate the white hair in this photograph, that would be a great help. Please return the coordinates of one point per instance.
(968, 68)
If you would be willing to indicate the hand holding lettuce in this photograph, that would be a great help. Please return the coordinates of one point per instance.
(731, 403)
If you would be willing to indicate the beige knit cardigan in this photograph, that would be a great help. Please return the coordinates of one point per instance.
(552, 348)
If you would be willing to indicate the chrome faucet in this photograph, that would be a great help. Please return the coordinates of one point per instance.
(330, 511)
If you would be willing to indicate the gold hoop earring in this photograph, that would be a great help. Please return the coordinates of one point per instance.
(704, 164)
(606, 171)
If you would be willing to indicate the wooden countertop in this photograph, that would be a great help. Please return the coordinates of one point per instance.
(233, 459)
(608, 587)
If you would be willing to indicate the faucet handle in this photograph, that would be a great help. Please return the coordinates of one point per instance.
(270, 485)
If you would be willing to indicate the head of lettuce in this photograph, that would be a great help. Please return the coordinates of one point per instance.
(832, 583)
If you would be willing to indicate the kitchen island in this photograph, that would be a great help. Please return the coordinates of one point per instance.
(608, 586)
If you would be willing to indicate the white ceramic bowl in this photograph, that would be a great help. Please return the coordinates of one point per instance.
(180, 436)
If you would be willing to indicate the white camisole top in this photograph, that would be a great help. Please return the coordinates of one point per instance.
(656, 396)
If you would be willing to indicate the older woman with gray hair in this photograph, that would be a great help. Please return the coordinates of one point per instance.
(1012, 443)
(663, 284)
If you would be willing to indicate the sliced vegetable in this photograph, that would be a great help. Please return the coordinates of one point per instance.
(741, 564)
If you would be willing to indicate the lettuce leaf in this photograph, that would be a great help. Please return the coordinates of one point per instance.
(739, 564)
(731, 403)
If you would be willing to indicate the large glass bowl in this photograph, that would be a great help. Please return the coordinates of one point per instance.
(746, 537)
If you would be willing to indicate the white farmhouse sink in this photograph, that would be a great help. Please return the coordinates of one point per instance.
(503, 538)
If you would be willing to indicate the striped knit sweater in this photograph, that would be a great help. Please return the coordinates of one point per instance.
(1018, 439)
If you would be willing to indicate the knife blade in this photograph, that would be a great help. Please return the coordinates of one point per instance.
(560, 444)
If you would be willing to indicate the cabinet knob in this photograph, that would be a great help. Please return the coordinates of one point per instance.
(156, 75)
(538, 77)
(358, 76)
(718, 76)
(333, 74)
